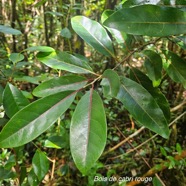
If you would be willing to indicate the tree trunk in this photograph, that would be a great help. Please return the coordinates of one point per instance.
(13, 19)
(46, 26)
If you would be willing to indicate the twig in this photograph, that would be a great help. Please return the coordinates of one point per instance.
(136, 50)
(53, 167)
(134, 149)
(157, 169)
(176, 119)
(178, 106)
(125, 140)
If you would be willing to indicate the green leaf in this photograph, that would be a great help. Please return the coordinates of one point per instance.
(138, 2)
(9, 30)
(150, 20)
(16, 57)
(119, 36)
(158, 96)
(88, 131)
(1, 94)
(110, 83)
(65, 32)
(13, 100)
(6, 174)
(40, 3)
(142, 106)
(156, 182)
(153, 65)
(56, 142)
(32, 178)
(40, 49)
(178, 148)
(59, 84)
(94, 34)
(40, 164)
(172, 162)
(181, 41)
(34, 80)
(54, 13)
(28, 95)
(3, 121)
(106, 14)
(23, 174)
(177, 68)
(65, 61)
(34, 119)
(10, 162)
(163, 151)
(181, 3)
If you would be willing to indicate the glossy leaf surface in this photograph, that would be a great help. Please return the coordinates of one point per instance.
(65, 61)
(119, 36)
(88, 131)
(150, 20)
(110, 83)
(177, 68)
(32, 178)
(40, 115)
(13, 100)
(142, 106)
(153, 65)
(94, 34)
(59, 84)
(56, 142)
(40, 164)
(158, 96)
(9, 30)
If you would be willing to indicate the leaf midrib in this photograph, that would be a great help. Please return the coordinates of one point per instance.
(89, 123)
(98, 41)
(174, 67)
(61, 86)
(140, 105)
(70, 64)
(41, 115)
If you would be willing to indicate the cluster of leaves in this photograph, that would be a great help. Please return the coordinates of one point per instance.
(138, 91)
